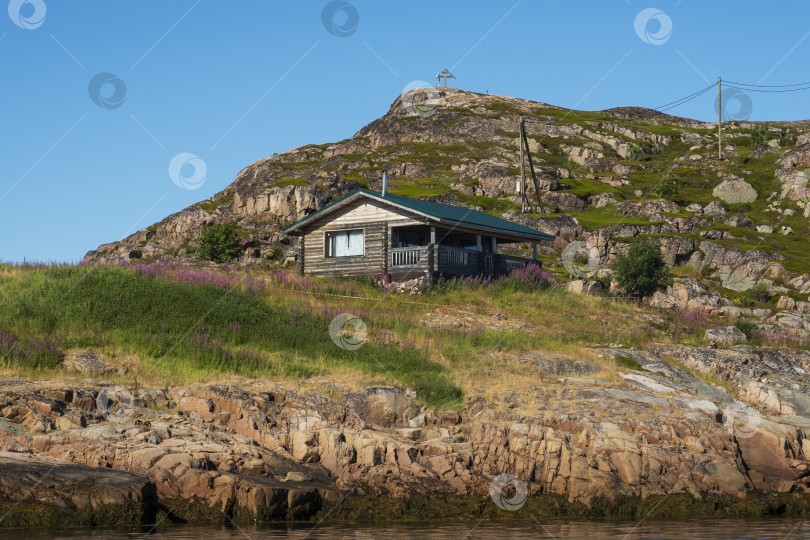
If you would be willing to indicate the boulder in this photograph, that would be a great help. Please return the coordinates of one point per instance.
(676, 249)
(725, 335)
(714, 208)
(794, 184)
(652, 210)
(93, 495)
(564, 201)
(735, 192)
(602, 199)
(695, 207)
(739, 221)
(798, 157)
(582, 286)
(737, 269)
(87, 362)
(383, 406)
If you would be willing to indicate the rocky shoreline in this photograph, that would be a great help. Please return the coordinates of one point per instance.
(713, 432)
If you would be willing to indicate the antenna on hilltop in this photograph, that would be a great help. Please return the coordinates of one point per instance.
(444, 74)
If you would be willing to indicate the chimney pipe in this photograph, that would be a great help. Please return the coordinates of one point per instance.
(384, 183)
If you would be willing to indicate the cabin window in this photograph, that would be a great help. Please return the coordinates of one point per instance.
(344, 243)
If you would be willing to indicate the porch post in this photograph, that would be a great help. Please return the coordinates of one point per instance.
(478, 242)
(385, 246)
(494, 245)
(301, 254)
(534, 252)
(432, 254)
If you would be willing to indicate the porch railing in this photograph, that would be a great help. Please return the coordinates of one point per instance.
(453, 261)
(514, 262)
(406, 256)
(458, 257)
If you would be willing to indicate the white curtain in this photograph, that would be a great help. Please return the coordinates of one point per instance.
(355, 243)
(348, 243)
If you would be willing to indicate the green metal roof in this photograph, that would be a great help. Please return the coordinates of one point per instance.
(438, 211)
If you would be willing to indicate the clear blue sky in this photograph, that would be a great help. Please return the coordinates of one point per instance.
(233, 82)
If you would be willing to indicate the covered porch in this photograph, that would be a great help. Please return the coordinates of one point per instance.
(432, 251)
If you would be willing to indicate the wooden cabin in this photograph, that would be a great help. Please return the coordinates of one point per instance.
(399, 238)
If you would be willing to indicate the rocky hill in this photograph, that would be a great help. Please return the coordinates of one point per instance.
(607, 178)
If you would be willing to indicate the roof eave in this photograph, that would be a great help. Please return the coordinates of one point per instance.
(294, 229)
(511, 235)
(326, 210)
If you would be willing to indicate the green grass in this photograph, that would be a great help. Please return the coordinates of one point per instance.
(626, 361)
(213, 205)
(164, 321)
(283, 182)
(418, 187)
(584, 188)
(489, 205)
(605, 217)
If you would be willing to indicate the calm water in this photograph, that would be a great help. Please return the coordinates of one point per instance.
(742, 530)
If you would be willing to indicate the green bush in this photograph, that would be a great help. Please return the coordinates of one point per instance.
(789, 136)
(760, 135)
(219, 243)
(668, 189)
(747, 327)
(759, 294)
(626, 361)
(641, 271)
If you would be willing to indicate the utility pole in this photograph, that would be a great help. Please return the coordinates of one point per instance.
(523, 201)
(524, 143)
(719, 117)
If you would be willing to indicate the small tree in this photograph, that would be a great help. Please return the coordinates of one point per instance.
(760, 135)
(641, 271)
(219, 243)
(668, 189)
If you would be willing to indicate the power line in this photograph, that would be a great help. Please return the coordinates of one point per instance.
(743, 87)
(690, 97)
(768, 91)
(769, 85)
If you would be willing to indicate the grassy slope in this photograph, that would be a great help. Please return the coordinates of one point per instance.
(173, 333)
(184, 329)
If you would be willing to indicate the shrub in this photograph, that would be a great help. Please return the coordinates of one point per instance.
(760, 136)
(527, 278)
(530, 277)
(707, 271)
(668, 189)
(219, 243)
(789, 136)
(759, 294)
(627, 362)
(641, 271)
(38, 353)
(747, 327)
